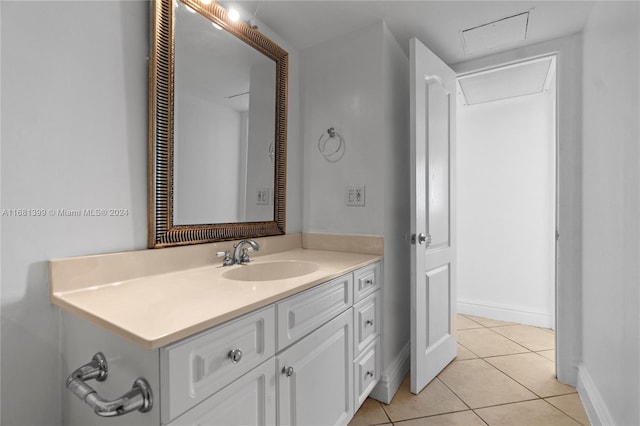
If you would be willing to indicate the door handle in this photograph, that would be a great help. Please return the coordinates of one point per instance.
(421, 238)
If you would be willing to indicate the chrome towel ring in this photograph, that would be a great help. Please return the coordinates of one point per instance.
(331, 145)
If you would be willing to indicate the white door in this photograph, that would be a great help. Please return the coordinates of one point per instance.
(432, 215)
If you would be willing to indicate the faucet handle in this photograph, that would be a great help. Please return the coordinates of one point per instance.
(227, 257)
(244, 256)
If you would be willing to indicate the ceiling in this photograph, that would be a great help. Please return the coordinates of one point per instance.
(438, 24)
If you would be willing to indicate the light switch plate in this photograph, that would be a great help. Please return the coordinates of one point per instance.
(356, 195)
(262, 197)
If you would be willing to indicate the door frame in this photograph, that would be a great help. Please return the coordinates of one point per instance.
(569, 189)
(554, 254)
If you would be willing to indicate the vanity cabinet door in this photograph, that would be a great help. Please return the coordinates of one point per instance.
(315, 376)
(250, 400)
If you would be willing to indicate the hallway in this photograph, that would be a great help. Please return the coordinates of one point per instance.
(504, 375)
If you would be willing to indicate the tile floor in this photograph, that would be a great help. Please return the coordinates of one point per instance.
(504, 375)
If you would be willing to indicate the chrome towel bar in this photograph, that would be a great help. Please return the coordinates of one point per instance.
(138, 398)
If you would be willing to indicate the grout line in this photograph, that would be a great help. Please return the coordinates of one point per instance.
(385, 411)
(480, 417)
(562, 411)
(453, 392)
(475, 354)
(515, 341)
(433, 415)
(506, 403)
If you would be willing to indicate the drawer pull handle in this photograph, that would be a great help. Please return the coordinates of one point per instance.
(235, 355)
(368, 281)
(370, 373)
(288, 371)
(369, 322)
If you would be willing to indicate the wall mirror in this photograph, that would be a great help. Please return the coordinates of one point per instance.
(217, 133)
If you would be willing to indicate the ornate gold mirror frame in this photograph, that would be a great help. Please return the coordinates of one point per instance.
(162, 231)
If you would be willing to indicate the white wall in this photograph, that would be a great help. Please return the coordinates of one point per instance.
(610, 373)
(74, 135)
(358, 84)
(339, 82)
(506, 209)
(395, 157)
(569, 139)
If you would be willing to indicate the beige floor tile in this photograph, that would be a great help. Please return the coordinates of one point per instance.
(434, 399)
(571, 405)
(533, 371)
(370, 413)
(464, 323)
(485, 342)
(530, 413)
(479, 384)
(487, 322)
(550, 354)
(464, 353)
(533, 338)
(462, 418)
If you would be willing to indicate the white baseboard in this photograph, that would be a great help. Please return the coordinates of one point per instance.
(592, 401)
(392, 376)
(508, 313)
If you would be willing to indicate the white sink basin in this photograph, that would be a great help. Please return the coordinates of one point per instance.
(271, 271)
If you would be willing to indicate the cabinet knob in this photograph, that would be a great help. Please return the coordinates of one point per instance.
(369, 322)
(288, 371)
(235, 355)
(370, 373)
(368, 281)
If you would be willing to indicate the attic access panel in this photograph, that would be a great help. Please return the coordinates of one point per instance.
(496, 34)
(519, 79)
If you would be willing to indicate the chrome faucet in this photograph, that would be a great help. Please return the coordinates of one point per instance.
(241, 253)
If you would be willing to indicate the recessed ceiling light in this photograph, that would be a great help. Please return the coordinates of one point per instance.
(234, 15)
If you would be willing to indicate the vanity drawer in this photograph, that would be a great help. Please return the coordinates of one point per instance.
(366, 369)
(366, 320)
(193, 369)
(366, 281)
(299, 315)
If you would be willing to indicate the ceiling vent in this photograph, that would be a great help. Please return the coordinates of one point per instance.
(520, 79)
(496, 34)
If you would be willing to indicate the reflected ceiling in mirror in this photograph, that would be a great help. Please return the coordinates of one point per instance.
(218, 121)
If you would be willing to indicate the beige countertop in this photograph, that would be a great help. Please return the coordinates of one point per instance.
(156, 310)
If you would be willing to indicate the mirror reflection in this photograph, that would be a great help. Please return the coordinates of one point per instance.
(224, 125)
